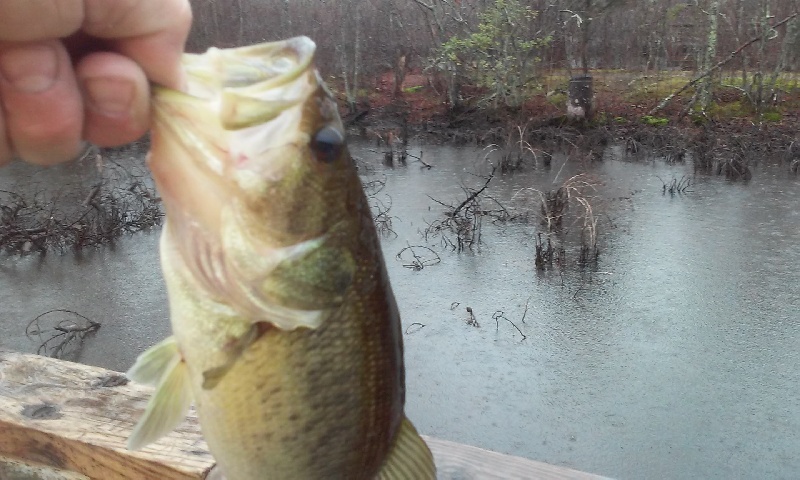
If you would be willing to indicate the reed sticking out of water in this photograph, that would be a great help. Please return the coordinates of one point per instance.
(589, 251)
(735, 167)
(704, 145)
(675, 186)
(472, 321)
(793, 157)
(396, 142)
(518, 147)
(554, 205)
(516, 151)
(545, 253)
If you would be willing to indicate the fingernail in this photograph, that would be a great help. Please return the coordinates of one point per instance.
(30, 69)
(112, 96)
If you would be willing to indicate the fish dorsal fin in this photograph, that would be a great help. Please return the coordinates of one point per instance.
(161, 364)
(410, 458)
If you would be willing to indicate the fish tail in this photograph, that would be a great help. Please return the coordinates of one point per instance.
(410, 458)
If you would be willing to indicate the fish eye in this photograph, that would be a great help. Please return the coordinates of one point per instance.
(327, 144)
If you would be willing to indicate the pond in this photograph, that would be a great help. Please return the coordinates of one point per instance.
(675, 356)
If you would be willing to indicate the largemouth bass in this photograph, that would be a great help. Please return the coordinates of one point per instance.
(286, 334)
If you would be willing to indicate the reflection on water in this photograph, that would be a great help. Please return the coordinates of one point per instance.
(675, 358)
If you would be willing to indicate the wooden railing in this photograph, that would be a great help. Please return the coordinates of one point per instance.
(66, 421)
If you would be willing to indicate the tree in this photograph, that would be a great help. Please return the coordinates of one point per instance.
(583, 13)
(704, 92)
(445, 19)
(502, 54)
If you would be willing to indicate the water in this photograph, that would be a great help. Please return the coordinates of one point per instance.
(675, 357)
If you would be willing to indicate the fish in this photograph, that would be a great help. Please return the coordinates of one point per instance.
(286, 336)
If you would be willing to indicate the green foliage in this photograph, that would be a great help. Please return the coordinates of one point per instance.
(501, 54)
(655, 121)
(774, 117)
(414, 89)
(727, 111)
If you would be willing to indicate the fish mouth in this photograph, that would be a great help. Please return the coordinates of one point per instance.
(229, 110)
(241, 87)
(215, 135)
(251, 85)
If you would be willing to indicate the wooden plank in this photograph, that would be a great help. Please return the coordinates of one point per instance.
(464, 462)
(67, 421)
(77, 417)
(11, 469)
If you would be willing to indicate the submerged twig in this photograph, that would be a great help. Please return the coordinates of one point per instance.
(499, 314)
(62, 334)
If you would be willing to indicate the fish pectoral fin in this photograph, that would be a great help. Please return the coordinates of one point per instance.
(170, 402)
(318, 280)
(410, 458)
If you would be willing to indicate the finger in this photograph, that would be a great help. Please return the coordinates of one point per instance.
(151, 32)
(116, 94)
(29, 20)
(42, 105)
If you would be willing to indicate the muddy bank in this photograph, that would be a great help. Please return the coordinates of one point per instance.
(728, 130)
(479, 126)
(530, 136)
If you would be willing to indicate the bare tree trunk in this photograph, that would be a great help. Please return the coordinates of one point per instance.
(399, 71)
(758, 78)
(740, 28)
(585, 36)
(351, 64)
(780, 65)
(710, 53)
(438, 15)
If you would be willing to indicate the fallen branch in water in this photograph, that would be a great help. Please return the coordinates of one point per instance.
(419, 159)
(417, 262)
(463, 220)
(62, 334)
(415, 324)
(496, 316)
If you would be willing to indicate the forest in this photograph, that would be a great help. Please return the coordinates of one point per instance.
(738, 57)
(711, 81)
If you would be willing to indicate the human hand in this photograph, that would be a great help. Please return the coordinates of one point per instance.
(75, 70)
